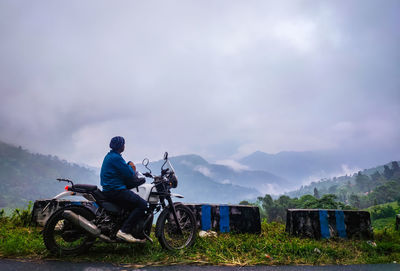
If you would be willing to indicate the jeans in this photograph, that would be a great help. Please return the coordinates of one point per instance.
(131, 201)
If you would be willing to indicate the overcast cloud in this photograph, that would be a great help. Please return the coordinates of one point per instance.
(217, 78)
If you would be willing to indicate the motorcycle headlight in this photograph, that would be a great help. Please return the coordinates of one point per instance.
(173, 180)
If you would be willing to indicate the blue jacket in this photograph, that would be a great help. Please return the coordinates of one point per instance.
(115, 172)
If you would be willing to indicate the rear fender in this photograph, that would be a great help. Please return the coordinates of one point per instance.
(67, 194)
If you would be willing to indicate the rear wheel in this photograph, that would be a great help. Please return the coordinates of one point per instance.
(62, 237)
(167, 230)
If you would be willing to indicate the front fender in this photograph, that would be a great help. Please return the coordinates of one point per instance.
(177, 195)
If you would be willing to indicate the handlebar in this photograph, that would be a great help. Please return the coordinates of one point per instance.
(65, 180)
(148, 175)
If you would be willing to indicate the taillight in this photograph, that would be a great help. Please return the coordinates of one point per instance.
(66, 188)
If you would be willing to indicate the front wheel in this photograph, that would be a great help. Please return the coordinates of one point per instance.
(168, 233)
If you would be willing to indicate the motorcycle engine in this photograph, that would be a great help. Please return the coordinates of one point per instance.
(107, 225)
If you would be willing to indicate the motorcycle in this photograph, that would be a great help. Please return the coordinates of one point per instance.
(73, 229)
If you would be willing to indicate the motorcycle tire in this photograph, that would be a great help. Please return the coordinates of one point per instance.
(62, 237)
(168, 233)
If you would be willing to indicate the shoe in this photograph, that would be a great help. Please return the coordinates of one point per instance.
(129, 238)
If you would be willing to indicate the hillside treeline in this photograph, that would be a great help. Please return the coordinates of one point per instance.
(360, 191)
(367, 189)
(275, 210)
(381, 181)
(26, 176)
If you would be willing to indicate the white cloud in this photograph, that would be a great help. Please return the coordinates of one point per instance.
(346, 170)
(236, 166)
(300, 34)
(272, 189)
(211, 78)
(203, 170)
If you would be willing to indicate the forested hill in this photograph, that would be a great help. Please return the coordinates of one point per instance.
(26, 176)
(363, 189)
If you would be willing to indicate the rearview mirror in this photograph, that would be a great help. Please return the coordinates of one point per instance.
(165, 155)
(145, 162)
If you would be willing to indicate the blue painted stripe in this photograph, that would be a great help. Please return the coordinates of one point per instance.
(205, 217)
(340, 226)
(323, 220)
(224, 218)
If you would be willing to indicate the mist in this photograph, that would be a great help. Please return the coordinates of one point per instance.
(219, 79)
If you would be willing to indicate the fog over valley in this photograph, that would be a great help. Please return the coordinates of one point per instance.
(260, 97)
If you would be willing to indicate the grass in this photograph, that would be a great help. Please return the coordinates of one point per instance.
(394, 204)
(382, 223)
(387, 222)
(272, 247)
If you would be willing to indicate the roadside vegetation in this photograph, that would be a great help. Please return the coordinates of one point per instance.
(376, 192)
(272, 247)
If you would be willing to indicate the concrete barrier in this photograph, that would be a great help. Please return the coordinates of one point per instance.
(318, 224)
(227, 218)
(220, 218)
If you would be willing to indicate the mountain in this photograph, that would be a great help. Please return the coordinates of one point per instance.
(25, 176)
(304, 167)
(366, 188)
(197, 185)
(262, 181)
(293, 166)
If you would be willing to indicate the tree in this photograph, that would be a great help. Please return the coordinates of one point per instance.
(333, 189)
(284, 201)
(395, 166)
(342, 193)
(387, 172)
(308, 202)
(396, 171)
(383, 212)
(316, 194)
(328, 201)
(375, 176)
(354, 201)
(266, 201)
(363, 182)
(388, 192)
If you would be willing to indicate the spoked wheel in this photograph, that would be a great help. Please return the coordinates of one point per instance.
(168, 233)
(62, 237)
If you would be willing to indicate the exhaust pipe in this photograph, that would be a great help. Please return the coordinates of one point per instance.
(85, 224)
(82, 222)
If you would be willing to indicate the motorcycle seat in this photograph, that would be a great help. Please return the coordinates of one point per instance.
(98, 195)
(84, 188)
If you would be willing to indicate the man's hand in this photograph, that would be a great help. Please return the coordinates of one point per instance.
(147, 174)
(132, 165)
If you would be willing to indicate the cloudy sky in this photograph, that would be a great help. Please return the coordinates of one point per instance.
(217, 78)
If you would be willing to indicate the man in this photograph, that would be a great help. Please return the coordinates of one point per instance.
(116, 177)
